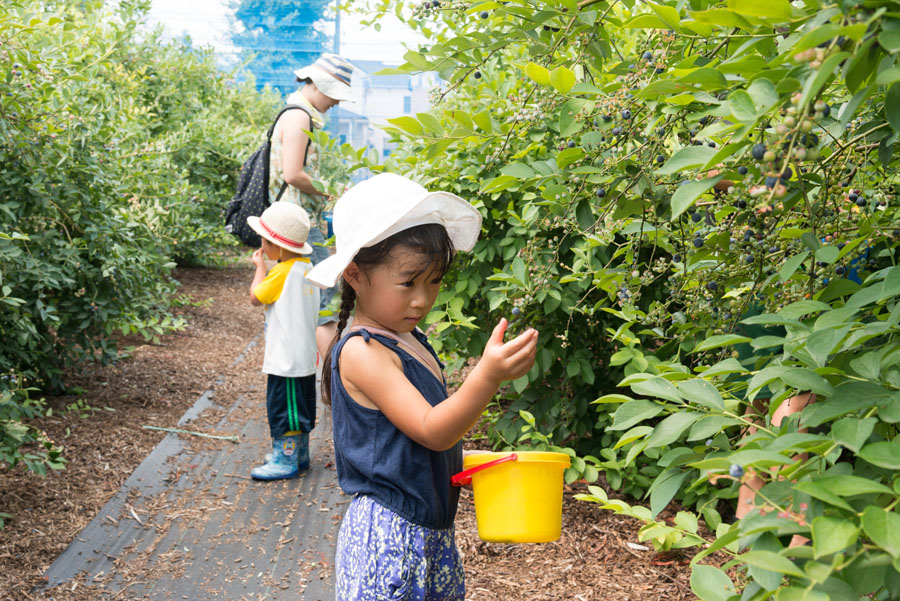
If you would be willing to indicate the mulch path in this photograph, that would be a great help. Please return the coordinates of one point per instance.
(157, 383)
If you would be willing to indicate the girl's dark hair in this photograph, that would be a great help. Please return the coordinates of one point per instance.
(431, 240)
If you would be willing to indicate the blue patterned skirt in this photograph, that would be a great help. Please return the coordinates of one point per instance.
(382, 556)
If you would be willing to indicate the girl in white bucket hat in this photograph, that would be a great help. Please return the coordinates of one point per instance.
(397, 433)
(294, 160)
(292, 306)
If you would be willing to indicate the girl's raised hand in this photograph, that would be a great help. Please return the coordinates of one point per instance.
(509, 360)
(258, 259)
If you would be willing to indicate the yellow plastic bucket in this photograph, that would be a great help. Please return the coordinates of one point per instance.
(518, 496)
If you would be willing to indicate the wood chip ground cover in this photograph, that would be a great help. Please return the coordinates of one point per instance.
(159, 382)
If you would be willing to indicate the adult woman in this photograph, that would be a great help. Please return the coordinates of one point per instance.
(294, 164)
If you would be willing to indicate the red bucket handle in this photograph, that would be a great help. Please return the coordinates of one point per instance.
(465, 477)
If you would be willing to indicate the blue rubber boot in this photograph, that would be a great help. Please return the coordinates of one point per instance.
(284, 461)
(303, 446)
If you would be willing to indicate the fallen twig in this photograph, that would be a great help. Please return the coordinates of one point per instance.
(233, 439)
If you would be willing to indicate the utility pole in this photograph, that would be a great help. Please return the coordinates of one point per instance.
(337, 26)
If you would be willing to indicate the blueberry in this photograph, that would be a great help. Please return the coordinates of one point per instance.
(477, 74)
(516, 310)
(484, 14)
(742, 170)
(860, 202)
(660, 159)
(571, 144)
(626, 114)
(758, 151)
(787, 174)
(698, 242)
(647, 55)
(712, 286)
(607, 118)
(826, 111)
(601, 192)
(742, 204)
(852, 196)
(735, 470)
(727, 316)
(659, 70)
(696, 217)
(771, 180)
(616, 131)
(709, 442)
(704, 120)
(676, 258)
(748, 259)
(839, 270)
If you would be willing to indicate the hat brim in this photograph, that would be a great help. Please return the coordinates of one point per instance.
(254, 224)
(461, 219)
(327, 83)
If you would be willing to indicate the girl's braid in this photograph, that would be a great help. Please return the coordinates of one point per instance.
(348, 301)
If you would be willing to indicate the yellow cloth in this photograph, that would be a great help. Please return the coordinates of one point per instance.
(269, 290)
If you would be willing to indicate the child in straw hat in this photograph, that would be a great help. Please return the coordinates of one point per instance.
(292, 307)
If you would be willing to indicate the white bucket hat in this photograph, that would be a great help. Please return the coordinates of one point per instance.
(283, 224)
(331, 74)
(385, 204)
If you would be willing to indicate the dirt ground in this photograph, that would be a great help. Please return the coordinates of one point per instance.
(105, 441)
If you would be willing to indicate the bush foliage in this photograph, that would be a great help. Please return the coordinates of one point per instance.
(695, 202)
(118, 154)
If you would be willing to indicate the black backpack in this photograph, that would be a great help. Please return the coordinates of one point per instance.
(252, 196)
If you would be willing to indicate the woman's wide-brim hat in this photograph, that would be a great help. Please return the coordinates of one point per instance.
(331, 74)
(283, 224)
(385, 204)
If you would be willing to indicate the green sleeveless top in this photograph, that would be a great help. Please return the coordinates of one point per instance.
(314, 205)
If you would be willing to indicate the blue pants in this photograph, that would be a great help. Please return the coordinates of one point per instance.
(320, 252)
(383, 556)
(290, 404)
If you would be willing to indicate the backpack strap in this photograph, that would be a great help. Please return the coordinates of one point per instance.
(274, 123)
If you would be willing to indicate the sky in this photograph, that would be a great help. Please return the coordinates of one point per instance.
(207, 23)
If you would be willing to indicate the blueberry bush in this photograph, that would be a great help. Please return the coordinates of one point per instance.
(118, 154)
(695, 202)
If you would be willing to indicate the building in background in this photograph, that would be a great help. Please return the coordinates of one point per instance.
(378, 98)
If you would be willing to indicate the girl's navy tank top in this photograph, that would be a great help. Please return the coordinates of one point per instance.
(374, 458)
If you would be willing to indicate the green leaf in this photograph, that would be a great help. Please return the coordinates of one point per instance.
(721, 17)
(659, 388)
(562, 79)
(847, 397)
(823, 494)
(710, 583)
(816, 80)
(800, 308)
(701, 392)
(687, 157)
(892, 107)
(408, 124)
(668, 430)
(664, 489)
(667, 14)
(685, 195)
(538, 73)
(852, 432)
(634, 412)
(517, 170)
(831, 535)
(742, 106)
(520, 270)
(890, 41)
(720, 340)
(791, 265)
(767, 9)
(771, 561)
(796, 593)
(883, 528)
(882, 454)
(846, 485)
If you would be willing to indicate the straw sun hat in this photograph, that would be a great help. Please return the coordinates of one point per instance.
(385, 204)
(283, 224)
(331, 74)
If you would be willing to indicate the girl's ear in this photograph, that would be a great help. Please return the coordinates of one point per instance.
(352, 275)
